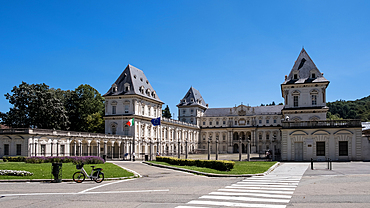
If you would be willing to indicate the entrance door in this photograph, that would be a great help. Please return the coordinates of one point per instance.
(298, 150)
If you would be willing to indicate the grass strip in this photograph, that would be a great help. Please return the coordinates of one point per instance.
(240, 168)
(43, 170)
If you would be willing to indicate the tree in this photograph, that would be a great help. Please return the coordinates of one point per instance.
(83, 106)
(166, 112)
(34, 106)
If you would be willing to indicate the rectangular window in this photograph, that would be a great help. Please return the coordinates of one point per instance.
(6, 149)
(295, 101)
(155, 112)
(19, 149)
(204, 123)
(210, 123)
(216, 122)
(236, 123)
(314, 99)
(343, 148)
(224, 122)
(126, 108)
(274, 120)
(142, 110)
(320, 148)
(267, 137)
(260, 136)
(224, 138)
(191, 110)
(113, 109)
(248, 122)
(260, 121)
(267, 121)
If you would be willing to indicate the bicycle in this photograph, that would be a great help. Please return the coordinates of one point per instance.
(95, 175)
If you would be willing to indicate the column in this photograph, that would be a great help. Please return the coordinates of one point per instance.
(186, 149)
(88, 147)
(119, 150)
(98, 146)
(209, 156)
(112, 149)
(35, 147)
(80, 147)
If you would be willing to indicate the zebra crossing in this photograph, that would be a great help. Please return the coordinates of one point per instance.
(271, 191)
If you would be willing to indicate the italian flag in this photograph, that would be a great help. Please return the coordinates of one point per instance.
(130, 122)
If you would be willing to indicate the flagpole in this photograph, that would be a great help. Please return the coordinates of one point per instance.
(133, 141)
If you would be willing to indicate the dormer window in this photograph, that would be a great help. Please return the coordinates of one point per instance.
(313, 75)
(141, 89)
(114, 88)
(127, 87)
(153, 94)
(191, 99)
(148, 92)
(295, 76)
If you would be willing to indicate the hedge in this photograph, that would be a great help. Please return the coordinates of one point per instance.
(14, 159)
(66, 159)
(222, 165)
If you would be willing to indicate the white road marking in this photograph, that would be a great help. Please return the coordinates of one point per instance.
(132, 171)
(76, 193)
(264, 185)
(106, 184)
(249, 199)
(252, 194)
(267, 188)
(233, 204)
(257, 191)
(267, 183)
(189, 207)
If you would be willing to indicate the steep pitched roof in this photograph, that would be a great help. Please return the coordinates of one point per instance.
(193, 98)
(303, 66)
(137, 84)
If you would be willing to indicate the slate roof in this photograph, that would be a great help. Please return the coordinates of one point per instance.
(192, 98)
(136, 80)
(304, 65)
(258, 110)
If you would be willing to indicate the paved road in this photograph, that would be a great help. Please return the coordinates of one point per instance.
(157, 188)
(347, 185)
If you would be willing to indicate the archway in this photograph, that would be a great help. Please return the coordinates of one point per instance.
(235, 148)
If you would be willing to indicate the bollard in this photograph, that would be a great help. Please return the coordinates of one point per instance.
(311, 164)
(328, 159)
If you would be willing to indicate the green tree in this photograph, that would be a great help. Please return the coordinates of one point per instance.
(83, 106)
(34, 106)
(166, 112)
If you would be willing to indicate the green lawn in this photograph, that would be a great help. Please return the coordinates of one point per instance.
(43, 170)
(239, 168)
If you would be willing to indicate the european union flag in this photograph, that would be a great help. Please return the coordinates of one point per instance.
(156, 121)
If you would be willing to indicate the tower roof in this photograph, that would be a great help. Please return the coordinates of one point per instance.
(132, 81)
(304, 71)
(193, 98)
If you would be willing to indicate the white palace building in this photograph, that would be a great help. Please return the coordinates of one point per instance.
(295, 131)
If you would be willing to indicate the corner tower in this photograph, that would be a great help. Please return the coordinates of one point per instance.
(192, 107)
(130, 96)
(304, 91)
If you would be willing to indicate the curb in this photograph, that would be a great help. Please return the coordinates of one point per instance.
(214, 174)
(52, 180)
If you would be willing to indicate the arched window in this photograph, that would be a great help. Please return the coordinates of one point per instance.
(114, 129)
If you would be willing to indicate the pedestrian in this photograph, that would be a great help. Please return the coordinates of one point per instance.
(133, 156)
(158, 154)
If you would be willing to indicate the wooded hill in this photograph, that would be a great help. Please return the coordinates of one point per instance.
(358, 109)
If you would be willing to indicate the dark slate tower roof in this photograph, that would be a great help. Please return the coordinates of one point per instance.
(193, 98)
(132, 81)
(304, 67)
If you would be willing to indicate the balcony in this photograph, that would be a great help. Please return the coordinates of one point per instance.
(321, 124)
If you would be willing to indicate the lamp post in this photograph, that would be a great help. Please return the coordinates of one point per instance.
(186, 148)
(216, 148)
(209, 154)
(240, 149)
(248, 150)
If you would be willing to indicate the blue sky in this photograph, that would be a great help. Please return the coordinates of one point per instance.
(231, 51)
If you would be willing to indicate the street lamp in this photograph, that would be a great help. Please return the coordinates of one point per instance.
(209, 154)
(217, 148)
(240, 149)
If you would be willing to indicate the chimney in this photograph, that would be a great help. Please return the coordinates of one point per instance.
(286, 77)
